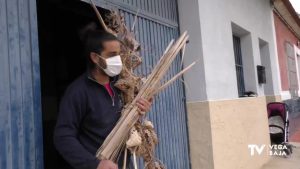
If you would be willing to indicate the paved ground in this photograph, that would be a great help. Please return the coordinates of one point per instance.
(295, 129)
(294, 161)
(285, 163)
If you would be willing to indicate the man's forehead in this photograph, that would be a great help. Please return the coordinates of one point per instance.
(111, 45)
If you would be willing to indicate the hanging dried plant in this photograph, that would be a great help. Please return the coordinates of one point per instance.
(131, 131)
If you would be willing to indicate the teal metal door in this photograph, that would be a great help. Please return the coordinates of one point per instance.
(156, 25)
(20, 112)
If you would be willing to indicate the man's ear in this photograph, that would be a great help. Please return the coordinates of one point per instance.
(96, 59)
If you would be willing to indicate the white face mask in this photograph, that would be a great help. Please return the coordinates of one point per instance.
(113, 65)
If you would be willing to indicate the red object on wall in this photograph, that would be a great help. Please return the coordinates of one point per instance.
(283, 35)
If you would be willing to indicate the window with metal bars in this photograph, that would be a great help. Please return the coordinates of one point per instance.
(239, 65)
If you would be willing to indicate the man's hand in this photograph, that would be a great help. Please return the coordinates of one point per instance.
(144, 105)
(107, 164)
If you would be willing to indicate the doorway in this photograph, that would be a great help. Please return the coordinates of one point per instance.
(61, 61)
(60, 21)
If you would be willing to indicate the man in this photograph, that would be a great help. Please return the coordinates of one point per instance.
(91, 105)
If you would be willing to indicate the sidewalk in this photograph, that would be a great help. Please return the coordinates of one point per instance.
(295, 129)
(285, 163)
(294, 138)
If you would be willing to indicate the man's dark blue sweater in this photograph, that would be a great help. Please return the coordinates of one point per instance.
(87, 115)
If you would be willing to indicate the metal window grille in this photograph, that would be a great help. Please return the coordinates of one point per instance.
(239, 65)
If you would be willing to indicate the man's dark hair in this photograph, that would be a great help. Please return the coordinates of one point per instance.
(93, 42)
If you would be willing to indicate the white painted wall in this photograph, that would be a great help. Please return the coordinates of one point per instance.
(266, 89)
(210, 25)
(195, 84)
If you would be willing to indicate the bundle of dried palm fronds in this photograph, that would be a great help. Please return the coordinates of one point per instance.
(116, 140)
(131, 132)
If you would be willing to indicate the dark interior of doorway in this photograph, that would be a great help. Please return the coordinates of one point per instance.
(61, 61)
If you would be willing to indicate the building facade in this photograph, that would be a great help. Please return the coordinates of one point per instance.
(230, 39)
(287, 26)
(207, 123)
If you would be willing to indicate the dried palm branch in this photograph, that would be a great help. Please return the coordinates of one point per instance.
(100, 18)
(116, 140)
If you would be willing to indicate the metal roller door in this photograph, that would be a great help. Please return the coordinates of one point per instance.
(156, 25)
(20, 112)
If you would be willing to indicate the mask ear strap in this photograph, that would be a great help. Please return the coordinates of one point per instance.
(100, 58)
(99, 66)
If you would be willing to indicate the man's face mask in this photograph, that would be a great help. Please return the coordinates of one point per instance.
(113, 65)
